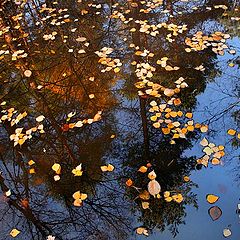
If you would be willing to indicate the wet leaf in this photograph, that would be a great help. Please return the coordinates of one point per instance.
(40, 118)
(142, 169)
(144, 195)
(152, 175)
(27, 73)
(231, 132)
(145, 205)
(204, 142)
(212, 198)
(227, 232)
(57, 168)
(129, 182)
(215, 213)
(142, 231)
(108, 168)
(154, 187)
(14, 232)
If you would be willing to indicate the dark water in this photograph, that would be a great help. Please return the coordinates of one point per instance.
(53, 64)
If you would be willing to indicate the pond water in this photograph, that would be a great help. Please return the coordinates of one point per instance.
(119, 119)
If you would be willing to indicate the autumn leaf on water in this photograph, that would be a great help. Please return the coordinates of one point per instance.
(144, 195)
(57, 168)
(186, 179)
(79, 198)
(40, 118)
(154, 187)
(231, 132)
(145, 205)
(108, 168)
(227, 232)
(14, 232)
(142, 231)
(212, 198)
(129, 182)
(215, 213)
(177, 197)
(78, 171)
(152, 175)
(142, 169)
(27, 73)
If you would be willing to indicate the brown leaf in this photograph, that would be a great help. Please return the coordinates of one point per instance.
(215, 213)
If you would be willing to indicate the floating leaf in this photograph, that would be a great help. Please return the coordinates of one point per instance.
(40, 118)
(129, 182)
(212, 198)
(215, 213)
(27, 73)
(144, 195)
(231, 132)
(204, 142)
(14, 232)
(57, 168)
(78, 171)
(142, 169)
(227, 232)
(152, 175)
(186, 178)
(177, 198)
(108, 168)
(145, 205)
(154, 187)
(142, 231)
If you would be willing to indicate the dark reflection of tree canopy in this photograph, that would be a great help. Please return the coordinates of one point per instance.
(43, 206)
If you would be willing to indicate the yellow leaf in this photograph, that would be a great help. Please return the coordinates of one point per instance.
(168, 199)
(31, 162)
(142, 169)
(152, 175)
(190, 128)
(186, 178)
(14, 232)
(57, 168)
(215, 161)
(77, 195)
(204, 128)
(166, 194)
(231, 132)
(145, 205)
(77, 203)
(177, 198)
(108, 168)
(212, 198)
(189, 115)
(32, 171)
(116, 70)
